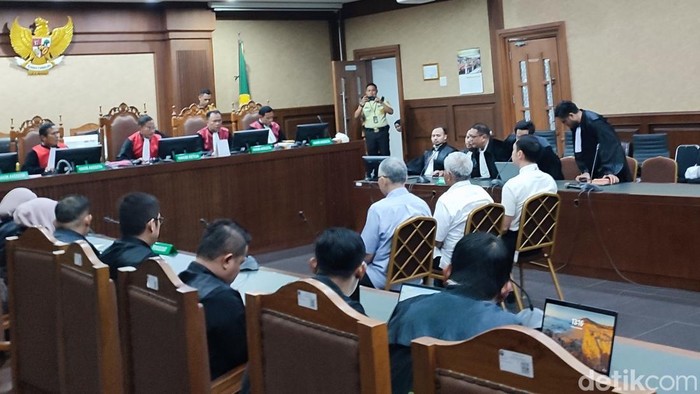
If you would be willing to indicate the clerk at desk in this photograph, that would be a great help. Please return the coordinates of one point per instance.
(37, 159)
(431, 163)
(143, 144)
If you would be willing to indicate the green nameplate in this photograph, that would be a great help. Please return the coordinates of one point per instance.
(188, 156)
(90, 167)
(163, 248)
(321, 142)
(14, 176)
(440, 181)
(261, 148)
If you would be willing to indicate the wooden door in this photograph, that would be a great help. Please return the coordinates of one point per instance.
(534, 69)
(349, 81)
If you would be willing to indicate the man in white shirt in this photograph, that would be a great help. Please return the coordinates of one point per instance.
(529, 182)
(454, 206)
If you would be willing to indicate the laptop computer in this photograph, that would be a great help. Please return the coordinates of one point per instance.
(507, 170)
(410, 290)
(586, 332)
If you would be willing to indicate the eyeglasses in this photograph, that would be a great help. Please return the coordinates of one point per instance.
(160, 219)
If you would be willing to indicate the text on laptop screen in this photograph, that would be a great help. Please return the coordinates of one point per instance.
(587, 333)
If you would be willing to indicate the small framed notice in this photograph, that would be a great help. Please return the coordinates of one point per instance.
(431, 72)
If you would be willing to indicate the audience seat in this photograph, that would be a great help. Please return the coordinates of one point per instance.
(33, 284)
(163, 335)
(88, 327)
(686, 157)
(659, 170)
(634, 167)
(537, 233)
(551, 137)
(474, 366)
(188, 120)
(119, 123)
(239, 117)
(645, 146)
(412, 248)
(305, 338)
(569, 168)
(485, 219)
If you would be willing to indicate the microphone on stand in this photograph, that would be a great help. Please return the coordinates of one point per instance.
(422, 178)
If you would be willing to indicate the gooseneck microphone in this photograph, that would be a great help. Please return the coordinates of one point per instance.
(595, 158)
(109, 220)
(422, 178)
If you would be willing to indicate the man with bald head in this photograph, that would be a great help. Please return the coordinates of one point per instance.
(431, 162)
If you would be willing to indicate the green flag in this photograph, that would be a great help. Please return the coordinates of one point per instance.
(243, 89)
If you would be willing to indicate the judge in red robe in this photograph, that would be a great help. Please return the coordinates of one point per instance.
(213, 127)
(132, 148)
(38, 158)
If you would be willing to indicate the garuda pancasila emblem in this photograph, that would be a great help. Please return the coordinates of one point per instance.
(40, 50)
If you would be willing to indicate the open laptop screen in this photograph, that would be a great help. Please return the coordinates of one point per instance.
(585, 332)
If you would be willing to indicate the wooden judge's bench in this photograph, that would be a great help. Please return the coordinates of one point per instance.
(283, 198)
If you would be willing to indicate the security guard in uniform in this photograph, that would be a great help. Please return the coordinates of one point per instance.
(374, 111)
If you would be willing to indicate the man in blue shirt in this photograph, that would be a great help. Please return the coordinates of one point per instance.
(479, 279)
(384, 216)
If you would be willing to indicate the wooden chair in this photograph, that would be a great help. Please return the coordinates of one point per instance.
(632, 164)
(88, 325)
(411, 251)
(473, 366)
(119, 123)
(537, 232)
(163, 335)
(87, 128)
(304, 338)
(189, 120)
(238, 115)
(33, 282)
(485, 219)
(569, 168)
(28, 135)
(660, 170)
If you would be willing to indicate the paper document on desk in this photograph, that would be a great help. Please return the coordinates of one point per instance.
(222, 149)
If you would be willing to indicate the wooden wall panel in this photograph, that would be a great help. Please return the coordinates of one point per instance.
(289, 118)
(456, 113)
(161, 30)
(681, 127)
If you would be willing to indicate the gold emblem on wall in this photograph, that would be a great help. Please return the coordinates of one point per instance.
(39, 51)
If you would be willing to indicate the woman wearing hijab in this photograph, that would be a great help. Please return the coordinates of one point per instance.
(8, 227)
(37, 212)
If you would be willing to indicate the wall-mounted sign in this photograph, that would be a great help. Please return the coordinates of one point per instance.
(39, 49)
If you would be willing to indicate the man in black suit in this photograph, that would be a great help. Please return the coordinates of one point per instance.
(486, 151)
(548, 162)
(432, 162)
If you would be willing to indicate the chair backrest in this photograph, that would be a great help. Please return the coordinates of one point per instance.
(119, 123)
(645, 146)
(659, 170)
(304, 337)
(485, 219)
(538, 222)
(33, 283)
(88, 325)
(411, 251)
(87, 128)
(475, 365)
(568, 143)
(551, 137)
(189, 120)
(569, 167)
(633, 166)
(163, 335)
(27, 137)
(686, 157)
(239, 115)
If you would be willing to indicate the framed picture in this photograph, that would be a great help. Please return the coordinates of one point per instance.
(431, 72)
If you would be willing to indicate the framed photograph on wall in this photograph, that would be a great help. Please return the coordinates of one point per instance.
(431, 72)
